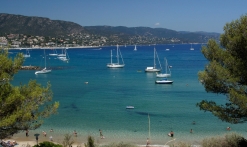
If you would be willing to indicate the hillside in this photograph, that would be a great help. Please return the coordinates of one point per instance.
(18, 24)
(40, 26)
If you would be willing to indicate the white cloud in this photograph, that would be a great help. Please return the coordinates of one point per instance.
(157, 24)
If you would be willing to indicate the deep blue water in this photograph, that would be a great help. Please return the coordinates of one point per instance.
(101, 103)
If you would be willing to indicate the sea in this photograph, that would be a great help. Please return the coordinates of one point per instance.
(94, 97)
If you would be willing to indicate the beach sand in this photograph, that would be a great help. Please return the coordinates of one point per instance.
(23, 141)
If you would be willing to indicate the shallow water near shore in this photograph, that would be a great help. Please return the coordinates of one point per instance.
(101, 103)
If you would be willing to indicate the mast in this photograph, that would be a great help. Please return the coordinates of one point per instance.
(166, 65)
(117, 55)
(148, 126)
(111, 56)
(154, 58)
(45, 58)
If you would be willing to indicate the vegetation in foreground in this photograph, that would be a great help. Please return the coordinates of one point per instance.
(22, 107)
(226, 73)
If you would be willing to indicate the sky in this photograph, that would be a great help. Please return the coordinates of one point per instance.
(178, 15)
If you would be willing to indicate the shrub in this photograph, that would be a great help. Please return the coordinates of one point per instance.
(229, 140)
(67, 141)
(121, 144)
(47, 144)
(90, 142)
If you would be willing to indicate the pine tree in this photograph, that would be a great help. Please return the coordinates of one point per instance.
(226, 72)
(21, 107)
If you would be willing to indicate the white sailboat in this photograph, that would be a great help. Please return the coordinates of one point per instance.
(164, 75)
(63, 54)
(27, 54)
(64, 58)
(44, 70)
(54, 53)
(191, 48)
(135, 49)
(116, 65)
(154, 69)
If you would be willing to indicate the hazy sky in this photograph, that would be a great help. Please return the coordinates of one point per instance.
(179, 15)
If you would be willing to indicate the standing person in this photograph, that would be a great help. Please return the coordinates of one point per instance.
(75, 133)
(27, 133)
(101, 135)
(148, 142)
(191, 131)
(51, 138)
(171, 134)
(44, 133)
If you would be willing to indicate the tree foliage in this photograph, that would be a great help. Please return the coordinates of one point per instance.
(226, 72)
(21, 107)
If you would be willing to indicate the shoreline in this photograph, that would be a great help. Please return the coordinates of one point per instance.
(80, 140)
(78, 47)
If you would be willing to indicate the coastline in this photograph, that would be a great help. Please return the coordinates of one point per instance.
(78, 47)
(80, 140)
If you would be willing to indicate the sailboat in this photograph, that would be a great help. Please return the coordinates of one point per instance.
(135, 49)
(191, 48)
(154, 69)
(27, 54)
(64, 58)
(164, 75)
(54, 53)
(116, 65)
(63, 53)
(44, 70)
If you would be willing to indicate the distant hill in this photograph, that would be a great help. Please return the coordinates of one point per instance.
(40, 26)
(18, 24)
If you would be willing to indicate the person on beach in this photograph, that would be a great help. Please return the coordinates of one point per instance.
(75, 133)
(148, 142)
(44, 133)
(27, 133)
(171, 134)
(101, 135)
(51, 138)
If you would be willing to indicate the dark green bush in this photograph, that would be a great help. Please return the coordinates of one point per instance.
(48, 144)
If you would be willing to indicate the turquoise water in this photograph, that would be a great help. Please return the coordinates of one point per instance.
(101, 103)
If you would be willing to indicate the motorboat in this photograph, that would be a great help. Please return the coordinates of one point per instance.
(163, 81)
(130, 107)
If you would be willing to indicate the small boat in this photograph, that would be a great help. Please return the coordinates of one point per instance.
(130, 107)
(163, 81)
